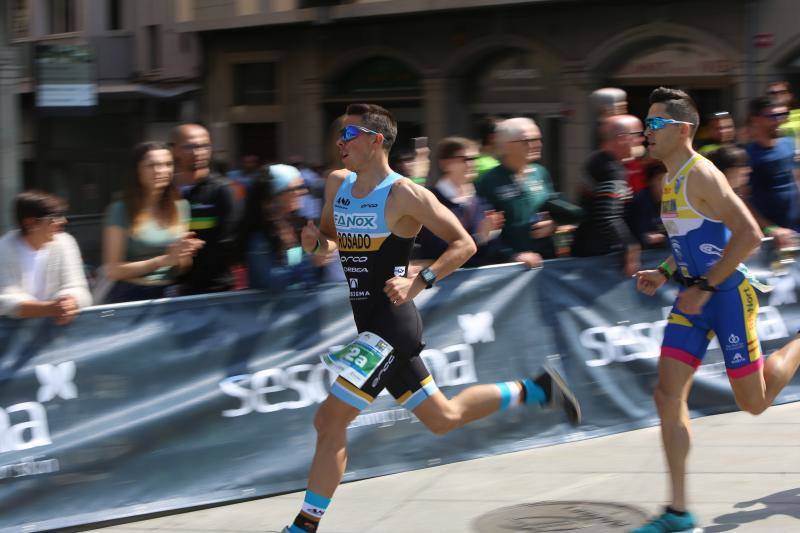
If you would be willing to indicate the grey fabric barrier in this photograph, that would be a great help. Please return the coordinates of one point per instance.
(143, 408)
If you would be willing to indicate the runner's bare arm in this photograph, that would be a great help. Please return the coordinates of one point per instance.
(420, 204)
(718, 201)
(327, 228)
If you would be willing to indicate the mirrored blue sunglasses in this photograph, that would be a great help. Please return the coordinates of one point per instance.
(657, 123)
(348, 133)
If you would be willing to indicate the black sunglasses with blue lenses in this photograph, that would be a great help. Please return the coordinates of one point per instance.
(657, 123)
(348, 133)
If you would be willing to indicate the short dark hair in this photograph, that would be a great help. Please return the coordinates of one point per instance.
(758, 105)
(486, 129)
(377, 119)
(37, 204)
(679, 105)
(727, 157)
(450, 146)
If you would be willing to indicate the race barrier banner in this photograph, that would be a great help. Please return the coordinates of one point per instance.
(150, 407)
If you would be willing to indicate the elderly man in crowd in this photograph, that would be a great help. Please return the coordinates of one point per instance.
(607, 195)
(521, 189)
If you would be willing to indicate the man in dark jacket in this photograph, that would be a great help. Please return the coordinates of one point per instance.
(214, 213)
(607, 196)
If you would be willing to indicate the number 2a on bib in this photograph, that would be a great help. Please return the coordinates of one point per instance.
(357, 361)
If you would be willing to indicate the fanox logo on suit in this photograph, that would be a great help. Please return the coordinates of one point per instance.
(356, 221)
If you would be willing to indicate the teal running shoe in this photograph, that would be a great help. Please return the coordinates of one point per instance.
(671, 523)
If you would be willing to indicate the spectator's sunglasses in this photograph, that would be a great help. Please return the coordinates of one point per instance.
(779, 116)
(348, 133)
(53, 218)
(659, 123)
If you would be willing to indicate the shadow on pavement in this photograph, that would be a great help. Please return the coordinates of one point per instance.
(786, 502)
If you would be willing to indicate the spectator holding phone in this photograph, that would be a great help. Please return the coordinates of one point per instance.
(269, 234)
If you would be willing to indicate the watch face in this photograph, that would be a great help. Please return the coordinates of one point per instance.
(428, 276)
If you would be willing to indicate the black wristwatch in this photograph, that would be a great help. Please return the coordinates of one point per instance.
(703, 285)
(428, 277)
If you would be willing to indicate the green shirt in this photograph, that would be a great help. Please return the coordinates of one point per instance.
(708, 149)
(485, 163)
(791, 128)
(520, 200)
(150, 239)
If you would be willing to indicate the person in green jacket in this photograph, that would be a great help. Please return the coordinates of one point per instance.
(521, 189)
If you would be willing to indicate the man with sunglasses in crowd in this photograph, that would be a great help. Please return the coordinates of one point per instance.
(774, 195)
(721, 132)
(214, 215)
(607, 196)
(780, 92)
(711, 232)
(372, 215)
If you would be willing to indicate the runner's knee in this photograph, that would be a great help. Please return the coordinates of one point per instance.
(754, 406)
(330, 424)
(668, 404)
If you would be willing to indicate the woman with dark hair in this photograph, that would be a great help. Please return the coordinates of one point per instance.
(644, 216)
(734, 162)
(270, 232)
(41, 271)
(146, 243)
(457, 160)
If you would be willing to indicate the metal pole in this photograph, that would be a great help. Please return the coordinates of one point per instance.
(10, 172)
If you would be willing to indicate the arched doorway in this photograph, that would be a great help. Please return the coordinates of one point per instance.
(506, 81)
(383, 80)
(673, 55)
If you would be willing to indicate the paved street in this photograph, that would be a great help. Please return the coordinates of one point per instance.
(745, 477)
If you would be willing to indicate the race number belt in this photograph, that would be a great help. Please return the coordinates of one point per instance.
(357, 361)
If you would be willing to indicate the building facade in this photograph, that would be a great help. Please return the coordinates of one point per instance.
(145, 75)
(279, 72)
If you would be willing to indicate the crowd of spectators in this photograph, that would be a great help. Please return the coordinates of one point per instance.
(181, 227)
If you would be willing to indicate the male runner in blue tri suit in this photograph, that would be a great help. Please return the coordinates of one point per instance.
(711, 232)
(372, 215)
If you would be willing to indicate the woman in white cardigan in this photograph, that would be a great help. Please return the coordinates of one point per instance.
(41, 271)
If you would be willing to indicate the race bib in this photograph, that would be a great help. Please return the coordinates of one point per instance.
(357, 361)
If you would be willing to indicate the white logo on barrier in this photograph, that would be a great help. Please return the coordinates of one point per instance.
(624, 343)
(56, 380)
(477, 328)
(299, 386)
(24, 425)
(275, 389)
(13, 436)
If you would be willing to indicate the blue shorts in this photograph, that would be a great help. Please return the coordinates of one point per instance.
(731, 315)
